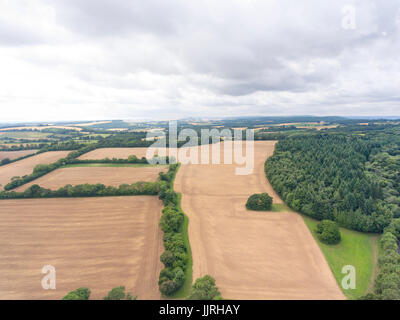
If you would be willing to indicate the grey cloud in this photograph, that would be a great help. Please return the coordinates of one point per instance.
(214, 55)
(15, 35)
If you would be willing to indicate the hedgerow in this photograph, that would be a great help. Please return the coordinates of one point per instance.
(175, 257)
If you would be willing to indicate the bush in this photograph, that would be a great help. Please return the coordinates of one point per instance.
(5, 161)
(167, 258)
(168, 287)
(118, 293)
(204, 289)
(259, 202)
(78, 294)
(171, 220)
(328, 232)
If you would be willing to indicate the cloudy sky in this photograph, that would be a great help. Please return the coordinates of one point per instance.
(162, 59)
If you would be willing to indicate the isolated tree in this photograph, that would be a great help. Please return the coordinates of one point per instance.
(204, 289)
(78, 294)
(328, 232)
(118, 293)
(259, 202)
(168, 287)
(5, 161)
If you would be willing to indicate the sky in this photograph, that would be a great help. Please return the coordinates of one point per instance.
(63, 60)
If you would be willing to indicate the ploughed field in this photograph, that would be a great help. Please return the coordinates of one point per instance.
(109, 176)
(26, 166)
(252, 255)
(99, 243)
(15, 154)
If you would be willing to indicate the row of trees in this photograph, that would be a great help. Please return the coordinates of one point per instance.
(117, 293)
(387, 282)
(323, 176)
(175, 257)
(85, 190)
(5, 161)
(131, 159)
(42, 169)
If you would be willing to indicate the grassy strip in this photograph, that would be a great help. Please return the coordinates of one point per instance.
(134, 165)
(356, 249)
(280, 207)
(184, 291)
(375, 271)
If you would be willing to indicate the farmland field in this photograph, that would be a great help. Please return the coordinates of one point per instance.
(25, 166)
(15, 154)
(99, 243)
(252, 255)
(119, 153)
(109, 176)
(41, 128)
(30, 135)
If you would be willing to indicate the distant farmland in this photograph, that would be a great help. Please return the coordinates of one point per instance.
(15, 154)
(99, 243)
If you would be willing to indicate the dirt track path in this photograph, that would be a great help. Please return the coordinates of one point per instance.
(251, 255)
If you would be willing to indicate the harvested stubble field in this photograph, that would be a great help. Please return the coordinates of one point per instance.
(252, 255)
(15, 154)
(109, 176)
(99, 243)
(25, 166)
(119, 153)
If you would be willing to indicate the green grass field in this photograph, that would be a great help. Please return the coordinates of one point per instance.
(280, 207)
(134, 165)
(356, 249)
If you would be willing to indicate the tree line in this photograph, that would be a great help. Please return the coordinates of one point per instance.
(72, 158)
(387, 282)
(323, 176)
(176, 255)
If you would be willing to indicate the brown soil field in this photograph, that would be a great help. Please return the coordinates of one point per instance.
(25, 166)
(99, 243)
(252, 255)
(109, 176)
(119, 153)
(15, 154)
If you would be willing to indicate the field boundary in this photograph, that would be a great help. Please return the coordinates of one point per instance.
(331, 253)
(183, 292)
(175, 278)
(18, 159)
(72, 159)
